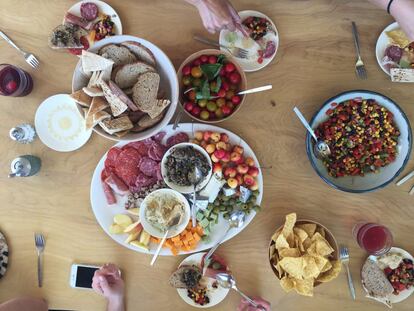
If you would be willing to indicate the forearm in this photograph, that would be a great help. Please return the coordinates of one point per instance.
(403, 12)
(116, 305)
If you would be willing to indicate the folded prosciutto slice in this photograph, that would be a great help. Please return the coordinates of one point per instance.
(76, 20)
(109, 194)
(116, 184)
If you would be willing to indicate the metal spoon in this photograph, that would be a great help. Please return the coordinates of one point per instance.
(227, 281)
(236, 220)
(194, 177)
(321, 148)
(173, 222)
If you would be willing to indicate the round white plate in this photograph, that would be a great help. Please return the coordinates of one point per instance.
(186, 189)
(404, 294)
(250, 64)
(104, 8)
(382, 43)
(104, 213)
(59, 124)
(216, 295)
(168, 84)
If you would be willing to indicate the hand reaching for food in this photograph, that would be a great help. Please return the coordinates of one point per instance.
(218, 14)
(107, 282)
(246, 306)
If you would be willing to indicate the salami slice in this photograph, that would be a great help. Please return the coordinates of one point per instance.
(394, 53)
(158, 172)
(141, 182)
(127, 165)
(141, 146)
(109, 194)
(111, 157)
(159, 137)
(178, 138)
(270, 49)
(148, 166)
(156, 151)
(89, 11)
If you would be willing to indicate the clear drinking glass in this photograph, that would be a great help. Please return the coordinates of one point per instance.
(14, 81)
(376, 239)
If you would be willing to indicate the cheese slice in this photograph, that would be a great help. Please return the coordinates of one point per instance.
(402, 75)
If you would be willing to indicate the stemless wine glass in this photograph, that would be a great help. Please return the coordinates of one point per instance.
(376, 239)
(14, 81)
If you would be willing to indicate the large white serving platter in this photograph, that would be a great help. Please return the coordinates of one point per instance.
(104, 213)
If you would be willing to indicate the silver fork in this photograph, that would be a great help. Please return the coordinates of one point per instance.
(238, 52)
(30, 58)
(360, 70)
(40, 246)
(344, 257)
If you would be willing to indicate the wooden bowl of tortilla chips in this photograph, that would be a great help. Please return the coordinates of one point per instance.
(303, 254)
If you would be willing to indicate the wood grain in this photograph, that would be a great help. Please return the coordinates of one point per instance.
(315, 61)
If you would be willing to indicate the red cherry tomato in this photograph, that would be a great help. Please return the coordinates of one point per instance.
(222, 72)
(235, 78)
(226, 110)
(235, 99)
(212, 59)
(197, 62)
(230, 67)
(186, 70)
(196, 111)
(204, 58)
(225, 86)
(189, 106)
(221, 93)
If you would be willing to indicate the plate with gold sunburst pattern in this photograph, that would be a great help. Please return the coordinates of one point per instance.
(59, 124)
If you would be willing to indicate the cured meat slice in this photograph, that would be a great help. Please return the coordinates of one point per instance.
(156, 151)
(126, 166)
(270, 49)
(148, 166)
(109, 194)
(141, 146)
(116, 184)
(178, 138)
(158, 172)
(141, 182)
(76, 20)
(159, 137)
(111, 157)
(394, 53)
(89, 11)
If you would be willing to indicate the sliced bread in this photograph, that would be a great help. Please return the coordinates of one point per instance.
(144, 92)
(159, 106)
(120, 55)
(141, 52)
(98, 104)
(100, 116)
(81, 98)
(94, 62)
(93, 91)
(126, 75)
(122, 96)
(117, 105)
(116, 125)
(147, 122)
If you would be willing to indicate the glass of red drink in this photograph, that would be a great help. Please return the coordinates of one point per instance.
(374, 238)
(14, 81)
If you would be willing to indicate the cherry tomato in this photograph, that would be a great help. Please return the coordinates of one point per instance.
(226, 110)
(235, 99)
(186, 70)
(225, 86)
(202, 103)
(212, 59)
(204, 58)
(221, 93)
(196, 111)
(233, 87)
(229, 94)
(222, 72)
(230, 105)
(220, 102)
(235, 78)
(196, 72)
(205, 115)
(186, 80)
(197, 62)
(189, 106)
(219, 113)
(192, 95)
(229, 67)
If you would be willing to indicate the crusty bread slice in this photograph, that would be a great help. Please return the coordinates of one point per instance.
(100, 116)
(186, 276)
(121, 134)
(98, 104)
(116, 125)
(159, 106)
(94, 62)
(116, 104)
(144, 92)
(147, 122)
(120, 55)
(94, 80)
(81, 98)
(93, 91)
(141, 52)
(126, 75)
(122, 96)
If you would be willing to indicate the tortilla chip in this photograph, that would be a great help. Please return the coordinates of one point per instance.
(293, 266)
(287, 284)
(301, 234)
(310, 270)
(272, 250)
(321, 231)
(398, 37)
(289, 224)
(301, 248)
(321, 262)
(323, 247)
(331, 273)
(308, 228)
(289, 252)
(281, 242)
(304, 287)
(291, 240)
(326, 267)
(307, 243)
(279, 270)
(274, 236)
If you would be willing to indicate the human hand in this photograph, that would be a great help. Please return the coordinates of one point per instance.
(218, 14)
(246, 306)
(107, 282)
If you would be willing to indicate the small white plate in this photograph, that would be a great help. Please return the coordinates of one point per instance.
(59, 124)
(216, 295)
(404, 294)
(250, 64)
(103, 8)
(382, 43)
(186, 189)
(175, 230)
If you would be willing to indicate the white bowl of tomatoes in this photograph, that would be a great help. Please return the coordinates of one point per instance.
(209, 82)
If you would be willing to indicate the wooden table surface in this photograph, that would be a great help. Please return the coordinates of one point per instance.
(314, 62)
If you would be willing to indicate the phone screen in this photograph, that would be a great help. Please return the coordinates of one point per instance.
(84, 276)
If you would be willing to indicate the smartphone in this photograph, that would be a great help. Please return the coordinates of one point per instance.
(81, 276)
